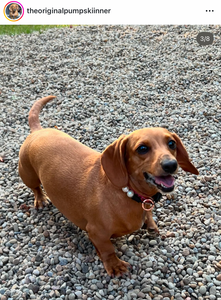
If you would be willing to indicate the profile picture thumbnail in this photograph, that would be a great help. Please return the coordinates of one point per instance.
(13, 11)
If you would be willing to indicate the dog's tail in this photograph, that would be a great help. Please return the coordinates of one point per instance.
(33, 117)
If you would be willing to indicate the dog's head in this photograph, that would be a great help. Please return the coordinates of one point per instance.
(14, 7)
(146, 161)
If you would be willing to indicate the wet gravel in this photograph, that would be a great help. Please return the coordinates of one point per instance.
(111, 80)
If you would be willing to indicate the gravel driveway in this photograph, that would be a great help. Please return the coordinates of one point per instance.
(111, 80)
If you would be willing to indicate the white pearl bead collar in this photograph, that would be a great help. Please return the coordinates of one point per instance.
(130, 193)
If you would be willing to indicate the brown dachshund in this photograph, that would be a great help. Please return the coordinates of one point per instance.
(86, 186)
(13, 11)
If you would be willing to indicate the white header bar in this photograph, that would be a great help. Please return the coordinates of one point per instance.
(111, 12)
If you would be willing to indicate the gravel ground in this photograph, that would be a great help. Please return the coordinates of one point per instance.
(111, 80)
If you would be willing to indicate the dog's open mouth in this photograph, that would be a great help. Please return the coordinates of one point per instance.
(163, 183)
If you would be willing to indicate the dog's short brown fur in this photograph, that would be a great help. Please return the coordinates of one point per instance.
(13, 11)
(86, 186)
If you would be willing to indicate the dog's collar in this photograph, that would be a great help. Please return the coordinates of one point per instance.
(140, 199)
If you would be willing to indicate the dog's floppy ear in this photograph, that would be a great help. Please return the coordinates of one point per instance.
(113, 162)
(183, 158)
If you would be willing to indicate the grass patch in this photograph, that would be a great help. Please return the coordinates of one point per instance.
(18, 29)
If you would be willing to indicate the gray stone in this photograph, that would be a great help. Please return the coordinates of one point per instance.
(212, 290)
(33, 287)
(202, 290)
(153, 242)
(189, 271)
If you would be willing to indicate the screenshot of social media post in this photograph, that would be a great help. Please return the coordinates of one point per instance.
(110, 137)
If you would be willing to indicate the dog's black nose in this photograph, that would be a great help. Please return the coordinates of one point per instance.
(169, 166)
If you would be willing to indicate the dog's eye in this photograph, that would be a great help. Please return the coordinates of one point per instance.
(172, 145)
(143, 149)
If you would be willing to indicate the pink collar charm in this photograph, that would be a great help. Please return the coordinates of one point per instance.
(148, 201)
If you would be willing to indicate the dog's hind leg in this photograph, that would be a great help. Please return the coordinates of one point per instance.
(30, 178)
(40, 198)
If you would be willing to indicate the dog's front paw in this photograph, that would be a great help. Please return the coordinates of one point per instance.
(153, 231)
(41, 202)
(116, 267)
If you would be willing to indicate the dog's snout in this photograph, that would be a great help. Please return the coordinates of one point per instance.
(169, 166)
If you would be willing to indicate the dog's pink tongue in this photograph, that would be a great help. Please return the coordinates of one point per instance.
(167, 181)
